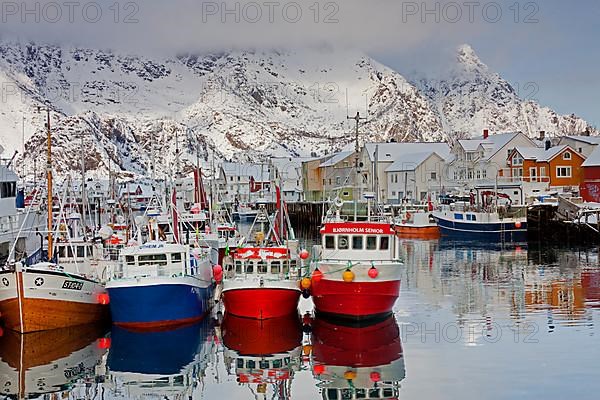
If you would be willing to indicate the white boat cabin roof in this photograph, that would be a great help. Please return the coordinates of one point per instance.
(155, 247)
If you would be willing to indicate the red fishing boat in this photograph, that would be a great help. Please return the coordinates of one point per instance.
(357, 362)
(358, 274)
(262, 277)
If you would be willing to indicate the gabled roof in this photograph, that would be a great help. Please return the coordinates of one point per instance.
(541, 154)
(585, 139)
(410, 162)
(336, 158)
(594, 159)
(492, 145)
(391, 152)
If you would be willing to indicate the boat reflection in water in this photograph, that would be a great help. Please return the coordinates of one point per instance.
(158, 364)
(263, 354)
(357, 362)
(51, 361)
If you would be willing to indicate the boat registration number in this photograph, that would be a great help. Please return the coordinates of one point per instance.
(73, 285)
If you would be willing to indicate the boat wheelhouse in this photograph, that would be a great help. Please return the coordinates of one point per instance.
(359, 268)
(262, 278)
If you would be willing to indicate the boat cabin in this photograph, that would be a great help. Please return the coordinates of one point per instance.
(358, 241)
(156, 259)
(332, 393)
(263, 262)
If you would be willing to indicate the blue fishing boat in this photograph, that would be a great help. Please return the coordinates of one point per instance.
(463, 222)
(160, 284)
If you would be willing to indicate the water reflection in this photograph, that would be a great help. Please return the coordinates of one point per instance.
(357, 362)
(47, 362)
(163, 364)
(263, 355)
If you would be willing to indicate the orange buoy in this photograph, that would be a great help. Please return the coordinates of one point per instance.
(305, 283)
(350, 375)
(348, 276)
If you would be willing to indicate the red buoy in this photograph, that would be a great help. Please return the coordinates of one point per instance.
(317, 275)
(304, 254)
(375, 376)
(373, 272)
(319, 369)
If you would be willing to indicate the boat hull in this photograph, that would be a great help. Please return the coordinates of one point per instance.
(355, 300)
(261, 303)
(492, 231)
(417, 232)
(144, 306)
(32, 301)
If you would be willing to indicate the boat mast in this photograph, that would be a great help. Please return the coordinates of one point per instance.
(49, 182)
(83, 197)
(357, 119)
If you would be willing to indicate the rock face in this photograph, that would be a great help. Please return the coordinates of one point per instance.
(132, 112)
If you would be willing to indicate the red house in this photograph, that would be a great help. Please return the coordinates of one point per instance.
(590, 185)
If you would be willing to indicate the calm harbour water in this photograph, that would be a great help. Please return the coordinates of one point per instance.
(470, 323)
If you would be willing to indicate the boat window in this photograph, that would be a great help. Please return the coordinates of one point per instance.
(61, 251)
(80, 251)
(357, 242)
(130, 260)
(343, 242)
(371, 242)
(347, 393)
(229, 270)
(276, 363)
(388, 392)
(332, 394)
(176, 258)
(292, 264)
(240, 363)
(238, 266)
(286, 361)
(250, 267)
(329, 242)
(285, 267)
(374, 393)
(275, 267)
(160, 259)
(384, 243)
(251, 364)
(261, 267)
(361, 394)
(458, 216)
(263, 364)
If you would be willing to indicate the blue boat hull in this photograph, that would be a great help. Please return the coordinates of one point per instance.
(491, 232)
(156, 306)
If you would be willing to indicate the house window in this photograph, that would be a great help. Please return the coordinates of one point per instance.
(563, 172)
(533, 174)
(469, 156)
(543, 172)
(433, 176)
(337, 180)
(393, 193)
(478, 174)
(517, 172)
(345, 194)
(567, 155)
(455, 175)
(517, 160)
(470, 174)
(484, 173)
(580, 150)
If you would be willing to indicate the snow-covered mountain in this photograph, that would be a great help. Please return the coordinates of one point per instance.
(132, 111)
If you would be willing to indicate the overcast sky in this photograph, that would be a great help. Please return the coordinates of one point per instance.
(547, 49)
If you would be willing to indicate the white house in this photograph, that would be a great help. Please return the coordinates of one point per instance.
(245, 182)
(288, 171)
(582, 144)
(377, 158)
(414, 177)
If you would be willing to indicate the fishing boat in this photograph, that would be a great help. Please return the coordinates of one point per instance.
(39, 293)
(262, 277)
(159, 284)
(48, 364)
(416, 222)
(357, 361)
(488, 221)
(165, 364)
(265, 354)
(244, 213)
(359, 268)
